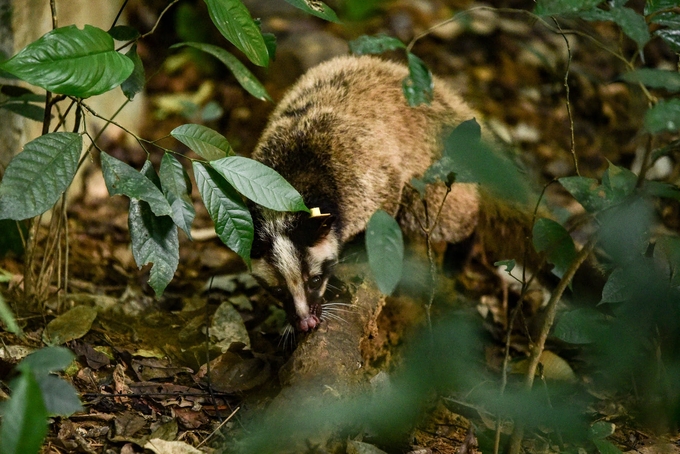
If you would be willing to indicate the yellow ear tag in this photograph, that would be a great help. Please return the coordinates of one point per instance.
(316, 213)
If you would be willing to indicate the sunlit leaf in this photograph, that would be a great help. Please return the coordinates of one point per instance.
(177, 189)
(385, 249)
(374, 44)
(242, 74)
(233, 223)
(261, 184)
(207, 143)
(71, 61)
(120, 178)
(233, 20)
(39, 175)
(315, 8)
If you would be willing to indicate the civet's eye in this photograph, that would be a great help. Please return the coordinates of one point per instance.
(314, 282)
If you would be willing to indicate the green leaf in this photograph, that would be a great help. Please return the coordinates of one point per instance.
(122, 179)
(553, 239)
(385, 248)
(49, 359)
(177, 189)
(233, 20)
(671, 36)
(204, 141)
(595, 14)
(579, 326)
(654, 78)
(24, 421)
(59, 396)
(154, 240)
(7, 318)
(668, 248)
(661, 189)
(601, 429)
(270, 42)
(664, 116)
(557, 7)
(374, 44)
(508, 264)
(632, 24)
(242, 74)
(619, 182)
(617, 288)
(475, 162)
(124, 33)
(38, 176)
(652, 6)
(72, 324)
(671, 20)
(30, 111)
(261, 184)
(606, 447)
(316, 8)
(71, 61)
(418, 86)
(233, 223)
(586, 191)
(135, 83)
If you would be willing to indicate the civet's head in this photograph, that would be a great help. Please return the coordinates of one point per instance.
(293, 257)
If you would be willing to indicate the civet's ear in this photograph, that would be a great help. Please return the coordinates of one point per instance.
(316, 228)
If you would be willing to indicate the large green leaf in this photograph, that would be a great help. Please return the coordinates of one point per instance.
(72, 62)
(664, 116)
(316, 8)
(556, 7)
(652, 6)
(385, 249)
(654, 78)
(233, 20)
(259, 183)
(206, 142)
(242, 74)
(177, 189)
(580, 326)
(50, 359)
(59, 395)
(374, 44)
(122, 179)
(24, 421)
(418, 86)
(553, 239)
(632, 24)
(36, 177)
(233, 223)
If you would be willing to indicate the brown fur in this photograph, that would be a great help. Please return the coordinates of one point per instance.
(376, 143)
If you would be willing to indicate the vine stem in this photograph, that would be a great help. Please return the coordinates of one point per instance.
(572, 147)
(537, 348)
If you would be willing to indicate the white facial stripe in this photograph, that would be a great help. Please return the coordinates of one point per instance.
(326, 249)
(264, 270)
(289, 266)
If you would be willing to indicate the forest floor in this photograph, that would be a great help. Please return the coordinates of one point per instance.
(154, 350)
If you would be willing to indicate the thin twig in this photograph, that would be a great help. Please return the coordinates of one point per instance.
(219, 427)
(572, 148)
(537, 349)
